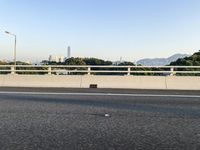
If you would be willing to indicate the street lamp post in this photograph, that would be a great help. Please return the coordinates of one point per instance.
(15, 43)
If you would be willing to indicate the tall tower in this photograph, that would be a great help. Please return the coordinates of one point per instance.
(68, 52)
(50, 58)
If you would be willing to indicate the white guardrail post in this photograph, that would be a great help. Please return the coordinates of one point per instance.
(172, 71)
(49, 70)
(89, 69)
(12, 69)
(129, 71)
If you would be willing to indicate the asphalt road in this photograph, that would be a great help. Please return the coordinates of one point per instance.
(74, 119)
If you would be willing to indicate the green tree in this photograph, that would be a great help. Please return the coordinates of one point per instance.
(193, 60)
(126, 63)
(95, 61)
(74, 61)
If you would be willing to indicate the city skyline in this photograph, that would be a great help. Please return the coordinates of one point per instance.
(105, 29)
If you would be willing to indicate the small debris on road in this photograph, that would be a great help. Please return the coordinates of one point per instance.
(107, 115)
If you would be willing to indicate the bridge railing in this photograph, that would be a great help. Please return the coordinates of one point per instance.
(100, 70)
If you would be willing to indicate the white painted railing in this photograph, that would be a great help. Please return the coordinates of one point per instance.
(98, 70)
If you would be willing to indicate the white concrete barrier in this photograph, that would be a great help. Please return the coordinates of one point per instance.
(183, 83)
(130, 82)
(40, 81)
(84, 81)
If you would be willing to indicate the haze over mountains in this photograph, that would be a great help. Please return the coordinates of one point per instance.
(161, 61)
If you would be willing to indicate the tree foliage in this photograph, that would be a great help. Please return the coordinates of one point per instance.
(74, 61)
(126, 63)
(193, 60)
(86, 61)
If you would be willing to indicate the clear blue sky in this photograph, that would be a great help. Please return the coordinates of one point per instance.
(105, 29)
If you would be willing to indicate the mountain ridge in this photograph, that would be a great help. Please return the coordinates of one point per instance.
(161, 61)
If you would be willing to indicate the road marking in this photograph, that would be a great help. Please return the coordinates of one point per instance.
(101, 94)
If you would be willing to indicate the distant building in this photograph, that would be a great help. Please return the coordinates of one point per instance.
(56, 59)
(44, 62)
(28, 62)
(117, 62)
(60, 59)
(5, 61)
(68, 52)
(50, 58)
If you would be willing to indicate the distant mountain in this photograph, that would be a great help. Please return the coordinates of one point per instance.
(161, 61)
(193, 60)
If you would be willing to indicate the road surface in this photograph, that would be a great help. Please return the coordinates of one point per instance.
(100, 119)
